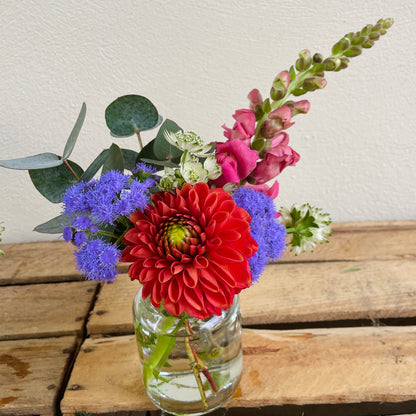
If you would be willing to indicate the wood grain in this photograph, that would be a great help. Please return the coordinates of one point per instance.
(45, 310)
(53, 261)
(298, 292)
(332, 366)
(31, 374)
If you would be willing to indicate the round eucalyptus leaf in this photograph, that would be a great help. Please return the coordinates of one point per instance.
(53, 182)
(129, 113)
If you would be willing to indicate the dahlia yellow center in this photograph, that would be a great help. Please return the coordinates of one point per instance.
(176, 233)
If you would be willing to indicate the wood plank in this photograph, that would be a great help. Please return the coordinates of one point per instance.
(33, 262)
(45, 310)
(46, 261)
(394, 240)
(299, 292)
(317, 366)
(32, 373)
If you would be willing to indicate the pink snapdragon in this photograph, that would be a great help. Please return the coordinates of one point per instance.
(279, 156)
(278, 120)
(237, 161)
(270, 191)
(243, 128)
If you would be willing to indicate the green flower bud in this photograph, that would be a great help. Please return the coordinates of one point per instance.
(368, 44)
(315, 83)
(276, 95)
(341, 46)
(353, 51)
(331, 64)
(317, 58)
(367, 29)
(387, 23)
(304, 60)
(359, 40)
(374, 36)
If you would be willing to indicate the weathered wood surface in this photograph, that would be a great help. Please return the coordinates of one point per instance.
(32, 373)
(53, 261)
(45, 310)
(338, 365)
(298, 292)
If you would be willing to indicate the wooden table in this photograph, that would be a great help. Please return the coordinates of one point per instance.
(332, 332)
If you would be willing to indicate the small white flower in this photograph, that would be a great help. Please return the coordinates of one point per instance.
(307, 225)
(188, 140)
(192, 170)
(212, 167)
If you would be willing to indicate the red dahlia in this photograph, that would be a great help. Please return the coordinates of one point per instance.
(190, 249)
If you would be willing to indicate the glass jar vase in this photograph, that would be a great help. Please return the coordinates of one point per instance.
(189, 366)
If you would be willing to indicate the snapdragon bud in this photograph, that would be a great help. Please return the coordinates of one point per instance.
(304, 61)
(331, 64)
(341, 46)
(314, 83)
(279, 87)
(317, 58)
(353, 51)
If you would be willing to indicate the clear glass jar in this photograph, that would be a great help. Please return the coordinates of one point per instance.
(189, 366)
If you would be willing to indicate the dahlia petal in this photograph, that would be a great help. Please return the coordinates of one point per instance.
(221, 218)
(190, 277)
(221, 273)
(227, 254)
(200, 262)
(142, 251)
(165, 275)
(229, 235)
(172, 308)
(175, 289)
(194, 297)
(218, 299)
(162, 263)
(208, 281)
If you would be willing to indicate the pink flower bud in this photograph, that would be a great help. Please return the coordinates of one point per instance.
(284, 78)
(255, 99)
(299, 107)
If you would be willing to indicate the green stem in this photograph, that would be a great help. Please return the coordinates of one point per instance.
(65, 162)
(163, 347)
(108, 234)
(193, 360)
(137, 131)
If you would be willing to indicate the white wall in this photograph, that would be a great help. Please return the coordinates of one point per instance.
(197, 60)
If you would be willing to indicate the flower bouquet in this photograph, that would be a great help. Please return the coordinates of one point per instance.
(196, 220)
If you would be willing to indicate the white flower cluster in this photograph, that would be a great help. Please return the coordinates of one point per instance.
(198, 163)
(306, 225)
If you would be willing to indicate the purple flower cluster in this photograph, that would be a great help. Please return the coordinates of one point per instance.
(101, 202)
(97, 260)
(107, 198)
(265, 229)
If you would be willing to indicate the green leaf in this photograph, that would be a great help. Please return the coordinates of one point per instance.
(54, 226)
(114, 160)
(147, 151)
(95, 166)
(70, 143)
(292, 73)
(53, 182)
(165, 163)
(161, 147)
(130, 158)
(129, 113)
(41, 161)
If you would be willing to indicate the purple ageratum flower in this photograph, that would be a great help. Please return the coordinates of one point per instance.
(67, 234)
(82, 223)
(107, 198)
(265, 229)
(79, 238)
(143, 167)
(97, 260)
